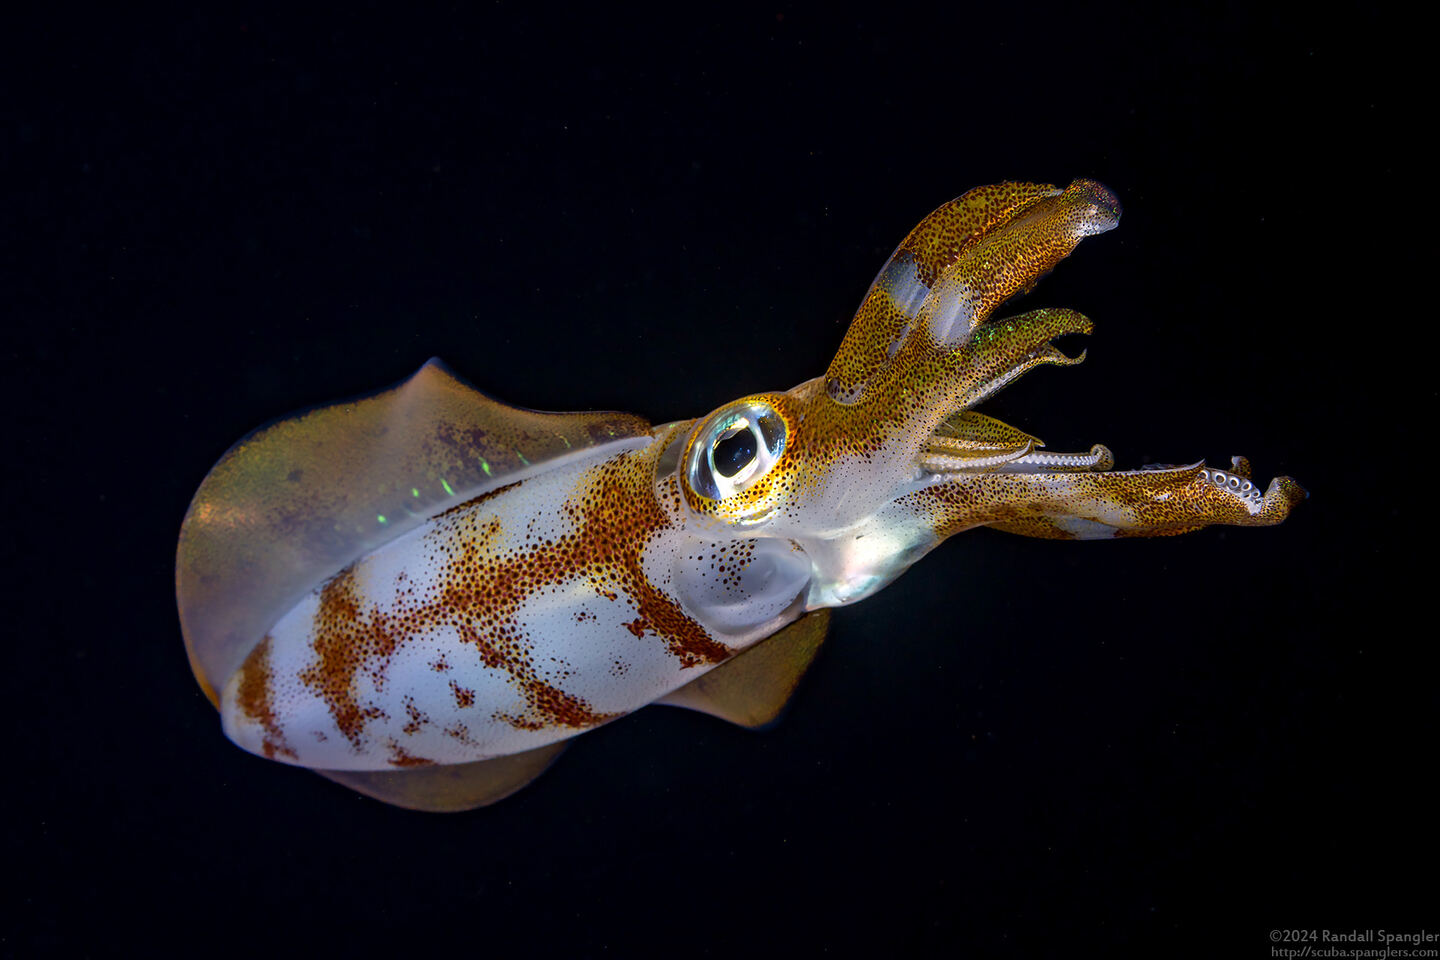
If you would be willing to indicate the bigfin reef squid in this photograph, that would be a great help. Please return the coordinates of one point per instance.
(425, 594)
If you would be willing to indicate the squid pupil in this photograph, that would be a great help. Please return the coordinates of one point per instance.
(733, 451)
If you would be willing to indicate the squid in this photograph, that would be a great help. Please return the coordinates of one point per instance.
(425, 594)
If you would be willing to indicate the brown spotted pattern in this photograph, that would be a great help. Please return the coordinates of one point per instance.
(616, 515)
(611, 516)
(726, 560)
(350, 635)
(302, 497)
(942, 237)
(400, 757)
(253, 697)
(923, 257)
(994, 239)
(464, 696)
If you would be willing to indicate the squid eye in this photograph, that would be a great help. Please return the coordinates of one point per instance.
(734, 451)
(734, 448)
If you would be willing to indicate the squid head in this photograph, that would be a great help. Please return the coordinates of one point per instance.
(874, 464)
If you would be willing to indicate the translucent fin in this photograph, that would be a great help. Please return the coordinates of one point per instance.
(454, 787)
(298, 500)
(752, 688)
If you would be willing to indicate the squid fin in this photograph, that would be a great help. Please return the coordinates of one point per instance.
(753, 687)
(298, 500)
(451, 788)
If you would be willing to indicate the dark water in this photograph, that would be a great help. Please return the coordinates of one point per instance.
(1020, 749)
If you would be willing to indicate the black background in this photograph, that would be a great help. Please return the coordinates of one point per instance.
(1022, 748)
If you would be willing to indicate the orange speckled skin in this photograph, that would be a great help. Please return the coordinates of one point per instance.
(579, 572)
(863, 441)
(299, 499)
(905, 366)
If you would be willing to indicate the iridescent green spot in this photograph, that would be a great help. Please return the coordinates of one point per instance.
(381, 517)
(485, 465)
(564, 441)
(446, 485)
(415, 492)
(522, 458)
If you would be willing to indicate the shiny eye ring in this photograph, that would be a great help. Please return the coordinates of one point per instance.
(734, 448)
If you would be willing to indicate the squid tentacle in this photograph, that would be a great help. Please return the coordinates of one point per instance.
(1100, 505)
